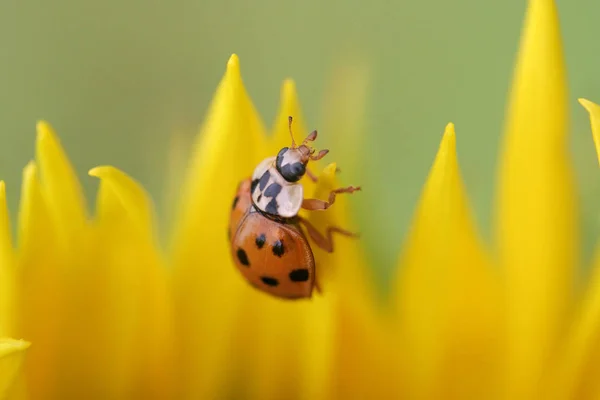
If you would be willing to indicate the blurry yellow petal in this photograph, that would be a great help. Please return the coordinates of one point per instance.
(40, 282)
(291, 348)
(365, 365)
(344, 120)
(35, 227)
(64, 194)
(132, 196)
(447, 299)
(177, 158)
(6, 247)
(12, 353)
(139, 331)
(7, 278)
(289, 106)
(345, 280)
(594, 110)
(537, 233)
(575, 369)
(230, 145)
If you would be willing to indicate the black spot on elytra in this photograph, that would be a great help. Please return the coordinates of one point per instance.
(243, 257)
(267, 280)
(273, 190)
(271, 207)
(264, 180)
(278, 248)
(293, 172)
(260, 240)
(299, 275)
(235, 201)
(253, 185)
(259, 198)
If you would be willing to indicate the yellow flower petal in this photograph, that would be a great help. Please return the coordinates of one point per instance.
(447, 299)
(358, 338)
(289, 106)
(231, 142)
(136, 282)
(537, 232)
(291, 347)
(11, 357)
(132, 196)
(575, 369)
(576, 365)
(7, 283)
(41, 293)
(65, 197)
(594, 111)
(35, 226)
(345, 110)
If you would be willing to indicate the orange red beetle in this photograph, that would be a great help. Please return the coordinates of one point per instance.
(268, 244)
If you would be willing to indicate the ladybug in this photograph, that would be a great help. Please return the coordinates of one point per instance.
(268, 243)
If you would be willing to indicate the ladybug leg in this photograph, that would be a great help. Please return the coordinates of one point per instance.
(318, 286)
(324, 242)
(310, 175)
(317, 204)
(313, 177)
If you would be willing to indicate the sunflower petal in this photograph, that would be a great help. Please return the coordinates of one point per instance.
(576, 367)
(7, 282)
(64, 194)
(289, 106)
(12, 353)
(357, 340)
(345, 110)
(41, 289)
(291, 347)
(537, 231)
(575, 371)
(447, 299)
(132, 196)
(136, 283)
(230, 145)
(594, 110)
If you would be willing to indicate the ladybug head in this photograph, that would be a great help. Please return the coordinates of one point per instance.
(291, 161)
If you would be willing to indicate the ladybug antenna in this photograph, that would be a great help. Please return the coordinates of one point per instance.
(291, 134)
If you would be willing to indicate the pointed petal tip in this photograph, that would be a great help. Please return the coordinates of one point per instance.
(29, 170)
(44, 130)
(593, 110)
(2, 188)
(233, 64)
(30, 165)
(449, 138)
(289, 97)
(587, 104)
(98, 172)
(288, 87)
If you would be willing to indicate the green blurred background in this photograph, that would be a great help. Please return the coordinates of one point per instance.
(118, 78)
